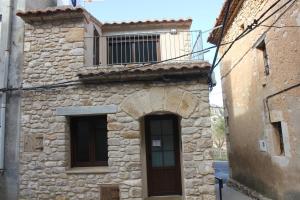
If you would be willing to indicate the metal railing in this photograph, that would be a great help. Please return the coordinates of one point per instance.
(149, 47)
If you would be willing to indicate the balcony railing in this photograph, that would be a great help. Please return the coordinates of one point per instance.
(150, 47)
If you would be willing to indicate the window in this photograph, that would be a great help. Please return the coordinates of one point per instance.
(133, 49)
(262, 47)
(0, 25)
(278, 139)
(96, 50)
(89, 141)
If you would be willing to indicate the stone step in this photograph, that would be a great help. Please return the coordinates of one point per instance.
(165, 198)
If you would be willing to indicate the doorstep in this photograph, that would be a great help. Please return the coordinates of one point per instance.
(164, 198)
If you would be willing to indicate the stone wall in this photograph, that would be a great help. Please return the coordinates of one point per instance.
(245, 89)
(54, 51)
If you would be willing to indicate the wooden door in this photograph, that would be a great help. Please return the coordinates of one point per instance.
(163, 155)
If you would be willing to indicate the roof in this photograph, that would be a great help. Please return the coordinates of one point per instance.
(171, 71)
(59, 12)
(71, 12)
(215, 34)
(187, 21)
(50, 10)
(146, 24)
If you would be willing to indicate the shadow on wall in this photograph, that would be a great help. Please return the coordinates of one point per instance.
(249, 165)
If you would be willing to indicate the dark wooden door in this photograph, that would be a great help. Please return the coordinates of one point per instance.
(163, 156)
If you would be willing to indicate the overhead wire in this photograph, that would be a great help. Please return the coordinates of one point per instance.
(224, 22)
(79, 81)
(256, 23)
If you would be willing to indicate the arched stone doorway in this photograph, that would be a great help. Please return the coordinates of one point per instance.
(172, 104)
(162, 142)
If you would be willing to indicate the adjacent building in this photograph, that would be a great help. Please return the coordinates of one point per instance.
(108, 112)
(260, 79)
(11, 62)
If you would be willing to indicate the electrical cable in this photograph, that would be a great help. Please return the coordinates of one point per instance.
(270, 26)
(210, 83)
(253, 26)
(77, 81)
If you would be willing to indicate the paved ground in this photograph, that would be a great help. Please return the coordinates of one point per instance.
(221, 171)
(231, 194)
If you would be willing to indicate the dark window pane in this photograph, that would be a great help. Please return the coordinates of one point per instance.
(96, 48)
(168, 141)
(83, 135)
(169, 158)
(167, 127)
(101, 145)
(155, 128)
(89, 141)
(157, 159)
(130, 49)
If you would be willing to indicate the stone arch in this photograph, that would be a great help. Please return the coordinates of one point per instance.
(156, 99)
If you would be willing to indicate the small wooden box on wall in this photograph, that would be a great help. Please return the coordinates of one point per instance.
(33, 143)
(109, 192)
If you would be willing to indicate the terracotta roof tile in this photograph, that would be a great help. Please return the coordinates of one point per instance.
(51, 10)
(150, 21)
(187, 68)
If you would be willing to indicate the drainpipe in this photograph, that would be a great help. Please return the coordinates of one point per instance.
(6, 38)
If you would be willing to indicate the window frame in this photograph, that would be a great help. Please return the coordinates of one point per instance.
(92, 142)
(263, 49)
(260, 45)
(133, 41)
(96, 47)
(279, 150)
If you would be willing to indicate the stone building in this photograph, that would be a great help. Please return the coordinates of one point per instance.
(260, 79)
(99, 119)
(11, 61)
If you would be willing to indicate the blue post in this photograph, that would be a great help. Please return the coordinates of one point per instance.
(73, 2)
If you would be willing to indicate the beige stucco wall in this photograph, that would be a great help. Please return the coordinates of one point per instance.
(54, 52)
(245, 88)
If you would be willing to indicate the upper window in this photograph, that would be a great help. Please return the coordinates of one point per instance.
(133, 49)
(89, 141)
(96, 46)
(278, 139)
(262, 47)
(0, 24)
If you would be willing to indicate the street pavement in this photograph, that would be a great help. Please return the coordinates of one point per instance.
(222, 171)
(231, 194)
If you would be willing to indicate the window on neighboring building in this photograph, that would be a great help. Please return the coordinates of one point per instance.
(278, 139)
(96, 48)
(133, 49)
(0, 25)
(89, 141)
(262, 47)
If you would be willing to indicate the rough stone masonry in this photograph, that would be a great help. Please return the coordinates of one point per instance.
(54, 51)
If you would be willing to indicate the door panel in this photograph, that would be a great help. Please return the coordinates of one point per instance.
(163, 160)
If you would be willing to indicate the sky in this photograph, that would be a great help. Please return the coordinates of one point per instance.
(203, 13)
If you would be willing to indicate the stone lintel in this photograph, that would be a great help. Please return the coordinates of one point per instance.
(86, 110)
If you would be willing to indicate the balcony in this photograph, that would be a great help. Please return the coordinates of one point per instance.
(146, 47)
